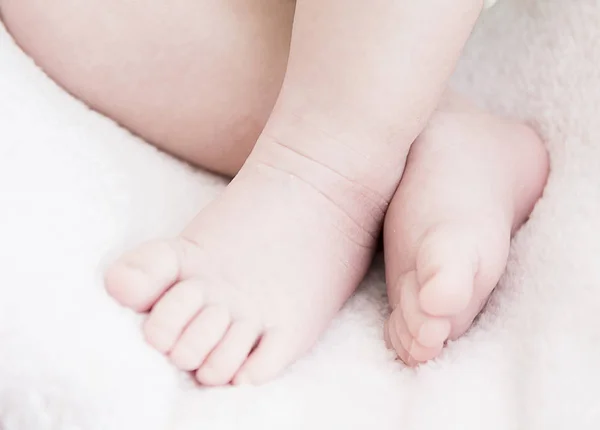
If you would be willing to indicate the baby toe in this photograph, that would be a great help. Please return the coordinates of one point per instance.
(395, 345)
(140, 277)
(225, 360)
(399, 336)
(429, 331)
(421, 354)
(172, 313)
(200, 337)
(275, 350)
(447, 263)
(463, 321)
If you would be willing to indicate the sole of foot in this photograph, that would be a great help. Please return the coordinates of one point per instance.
(471, 181)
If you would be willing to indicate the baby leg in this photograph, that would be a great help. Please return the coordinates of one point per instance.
(195, 78)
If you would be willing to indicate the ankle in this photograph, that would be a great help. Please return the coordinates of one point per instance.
(356, 157)
(352, 182)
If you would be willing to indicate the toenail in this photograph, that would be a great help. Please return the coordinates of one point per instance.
(434, 332)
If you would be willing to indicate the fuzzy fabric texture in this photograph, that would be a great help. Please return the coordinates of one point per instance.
(75, 190)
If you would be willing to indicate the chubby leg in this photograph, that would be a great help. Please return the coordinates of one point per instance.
(195, 78)
(471, 180)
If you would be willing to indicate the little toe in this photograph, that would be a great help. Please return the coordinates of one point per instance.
(200, 337)
(141, 276)
(225, 360)
(447, 264)
(172, 313)
(428, 330)
(274, 352)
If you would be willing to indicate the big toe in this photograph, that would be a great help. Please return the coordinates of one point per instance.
(141, 276)
(447, 264)
(455, 278)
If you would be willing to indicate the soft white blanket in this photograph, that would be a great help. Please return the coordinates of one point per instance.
(75, 189)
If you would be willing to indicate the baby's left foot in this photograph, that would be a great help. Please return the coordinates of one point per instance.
(471, 180)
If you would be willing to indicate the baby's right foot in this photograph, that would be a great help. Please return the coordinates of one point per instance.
(471, 180)
(254, 280)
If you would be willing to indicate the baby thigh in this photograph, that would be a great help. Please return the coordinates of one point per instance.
(197, 78)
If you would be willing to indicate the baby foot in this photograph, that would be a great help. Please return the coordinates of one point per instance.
(258, 275)
(471, 180)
